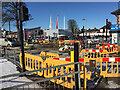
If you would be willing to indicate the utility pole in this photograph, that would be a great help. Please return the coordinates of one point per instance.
(21, 36)
(83, 37)
(106, 28)
(0, 19)
(103, 33)
(9, 27)
(83, 31)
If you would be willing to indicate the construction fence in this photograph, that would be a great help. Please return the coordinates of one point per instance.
(92, 66)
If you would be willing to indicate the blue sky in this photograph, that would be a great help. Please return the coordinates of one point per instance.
(96, 14)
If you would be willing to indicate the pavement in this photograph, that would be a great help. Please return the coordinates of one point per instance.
(7, 68)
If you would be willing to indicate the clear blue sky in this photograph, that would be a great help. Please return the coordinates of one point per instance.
(96, 14)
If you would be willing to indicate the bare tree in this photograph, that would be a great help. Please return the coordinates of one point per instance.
(10, 12)
(72, 26)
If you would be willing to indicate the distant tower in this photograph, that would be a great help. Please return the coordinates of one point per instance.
(64, 22)
(50, 22)
(57, 22)
(119, 5)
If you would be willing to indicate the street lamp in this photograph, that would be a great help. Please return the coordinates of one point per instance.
(86, 29)
(86, 25)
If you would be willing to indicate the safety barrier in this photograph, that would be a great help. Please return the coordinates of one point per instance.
(111, 48)
(68, 42)
(91, 67)
(47, 84)
(49, 55)
(69, 59)
(106, 67)
(93, 53)
(97, 46)
(105, 44)
(33, 62)
(44, 42)
(34, 41)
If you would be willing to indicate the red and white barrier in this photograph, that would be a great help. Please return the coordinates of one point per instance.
(82, 59)
(108, 46)
(93, 50)
(69, 59)
(111, 59)
(64, 59)
(80, 47)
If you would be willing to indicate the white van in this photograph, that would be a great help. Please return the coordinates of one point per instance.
(5, 42)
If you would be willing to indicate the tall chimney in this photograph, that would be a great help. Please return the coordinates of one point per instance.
(64, 22)
(50, 22)
(57, 22)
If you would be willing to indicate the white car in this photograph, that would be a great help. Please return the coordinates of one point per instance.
(66, 47)
(5, 42)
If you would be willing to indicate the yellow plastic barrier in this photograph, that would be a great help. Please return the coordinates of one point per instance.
(66, 41)
(43, 54)
(72, 56)
(41, 42)
(33, 62)
(110, 48)
(106, 67)
(49, 55)
(44, 42)
(93, 54)
(100, 66)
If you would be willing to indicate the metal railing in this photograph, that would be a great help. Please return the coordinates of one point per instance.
(49, 83)
(10, 55)
(2, 51)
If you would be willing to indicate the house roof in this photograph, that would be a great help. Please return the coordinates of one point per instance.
(33, 28)
(103, 27)
(116, 12)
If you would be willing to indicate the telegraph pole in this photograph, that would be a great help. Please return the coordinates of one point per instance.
(21, 36)
(83, 38)
(106, 28)
(83, 31)
(103, 33)
(0, 19)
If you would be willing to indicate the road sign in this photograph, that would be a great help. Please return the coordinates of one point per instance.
(115, 27)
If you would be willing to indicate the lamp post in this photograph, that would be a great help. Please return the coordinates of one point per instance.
(86, 29)
(86, 25)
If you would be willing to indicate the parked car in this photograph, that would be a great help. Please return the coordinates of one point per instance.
(29, 40)
(46, 38)
(14, 43)
(63, 38)
(7, 42)
(54, 38)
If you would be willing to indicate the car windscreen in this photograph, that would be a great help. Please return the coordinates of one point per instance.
(10, 39)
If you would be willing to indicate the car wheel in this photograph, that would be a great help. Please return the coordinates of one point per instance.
(68, 47)
(63, 49)
(8, 45)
